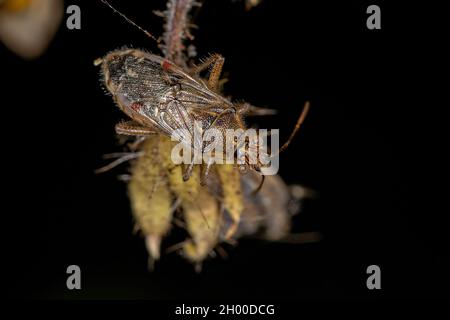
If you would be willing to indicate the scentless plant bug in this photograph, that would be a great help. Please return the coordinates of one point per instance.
(161, 98)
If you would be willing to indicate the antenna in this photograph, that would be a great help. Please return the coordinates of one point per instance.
(300, 120)
(129, 20)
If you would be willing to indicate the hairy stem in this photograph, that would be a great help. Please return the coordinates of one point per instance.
(176, 29)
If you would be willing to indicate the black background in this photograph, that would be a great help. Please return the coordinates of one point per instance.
(366, 148)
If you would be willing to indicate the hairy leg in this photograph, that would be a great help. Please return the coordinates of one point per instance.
(216, 62)
(131, 128)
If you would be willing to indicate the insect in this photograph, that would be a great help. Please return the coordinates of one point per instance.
(161, 98)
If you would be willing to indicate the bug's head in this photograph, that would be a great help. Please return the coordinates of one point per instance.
(252, 153)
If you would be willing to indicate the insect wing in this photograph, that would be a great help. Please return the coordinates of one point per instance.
(155, 92)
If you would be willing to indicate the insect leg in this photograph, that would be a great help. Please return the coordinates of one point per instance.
(206, 63)
(188, 172)
(205, 173)
(216, 61)
(296, 128)
(214, 75)
(131, 128)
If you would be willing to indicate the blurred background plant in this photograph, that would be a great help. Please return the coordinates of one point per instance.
(28, 26)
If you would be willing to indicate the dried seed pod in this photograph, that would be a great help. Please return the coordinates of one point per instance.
(150, 197)
(230, 179)
(162, 95)
(203, 223)
(186, 191)
(200, 208)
